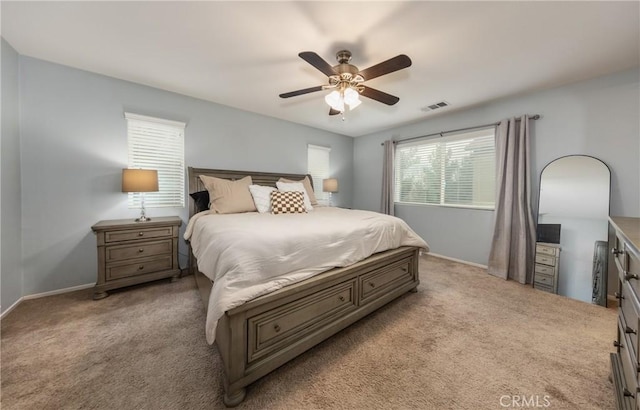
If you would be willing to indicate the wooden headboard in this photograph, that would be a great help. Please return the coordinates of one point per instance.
(258, 178)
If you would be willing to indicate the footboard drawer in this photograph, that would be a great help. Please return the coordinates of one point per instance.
(380, 282)
(290, 322)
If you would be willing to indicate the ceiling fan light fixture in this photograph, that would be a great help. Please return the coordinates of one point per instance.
(354, 104)
(346, 80)
(351, 97)
(335, 100)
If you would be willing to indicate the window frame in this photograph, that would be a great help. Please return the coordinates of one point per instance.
(321, 196)
(442, 197)
(171, 137)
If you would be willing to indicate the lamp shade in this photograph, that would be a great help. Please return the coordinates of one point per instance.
(330, 185)
(139, 180)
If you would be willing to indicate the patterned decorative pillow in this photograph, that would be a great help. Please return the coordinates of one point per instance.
(296, 187)
(290, 202)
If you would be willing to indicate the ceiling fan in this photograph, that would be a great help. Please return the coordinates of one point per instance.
(347, 80)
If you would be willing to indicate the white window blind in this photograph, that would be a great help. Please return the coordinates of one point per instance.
(456, 170)
(318, 166)
(155, 143)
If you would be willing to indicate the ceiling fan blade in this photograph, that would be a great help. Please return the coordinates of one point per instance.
(379, 96)
(389, 66)
(333, 112)
(318, 62)
(303, 91)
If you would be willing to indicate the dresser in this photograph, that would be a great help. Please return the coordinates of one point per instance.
(625, 368)
(132, 252)
(545, 274)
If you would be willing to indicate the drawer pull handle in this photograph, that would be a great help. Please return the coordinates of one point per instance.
(618, 295)
(373, 285)
(140, 267)
(629, 330)
(627, 393)
(341, 298)
(616, 251)
(140, 250)
(618, 344)
(276, 327)
(629, 276)
(140, 233)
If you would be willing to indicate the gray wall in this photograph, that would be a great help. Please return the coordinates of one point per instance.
(598, 117)
(10, 241)
(71, 135)
(74, 146)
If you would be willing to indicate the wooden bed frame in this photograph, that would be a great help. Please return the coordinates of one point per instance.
(259, 336)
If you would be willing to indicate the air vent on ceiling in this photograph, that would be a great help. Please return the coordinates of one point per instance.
(435, 106)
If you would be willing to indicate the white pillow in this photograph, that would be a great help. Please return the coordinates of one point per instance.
(296, 186)
(262, 197)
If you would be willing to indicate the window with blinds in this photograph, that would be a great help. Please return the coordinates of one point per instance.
(456, 170)
(155, 143)
(318, 166)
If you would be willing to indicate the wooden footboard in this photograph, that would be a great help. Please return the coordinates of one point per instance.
(265, 333)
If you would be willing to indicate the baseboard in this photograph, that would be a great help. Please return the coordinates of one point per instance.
(15, 304)
(44, 294)
(59, 291)
(477, 265)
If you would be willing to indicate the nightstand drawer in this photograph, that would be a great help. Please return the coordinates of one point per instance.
(544, 269)
(139, 267)
(547, 250)
(546, 260)
(544, 279)
(138, 250)
(134, 234)
(544, 288)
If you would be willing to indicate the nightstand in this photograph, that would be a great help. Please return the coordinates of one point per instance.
(547, 262)
(132, 252)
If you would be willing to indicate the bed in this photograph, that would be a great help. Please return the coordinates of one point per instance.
(258, 335)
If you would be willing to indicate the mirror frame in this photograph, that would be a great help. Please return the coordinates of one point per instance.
(605, 280)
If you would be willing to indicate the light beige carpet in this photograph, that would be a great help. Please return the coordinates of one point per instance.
(466, 340)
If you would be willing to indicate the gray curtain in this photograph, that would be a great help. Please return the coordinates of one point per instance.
(386, 206)
(512, 250)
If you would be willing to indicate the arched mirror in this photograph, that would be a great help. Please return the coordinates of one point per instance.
(573, 210)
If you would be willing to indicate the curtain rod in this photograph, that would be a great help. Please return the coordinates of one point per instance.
(532, 117)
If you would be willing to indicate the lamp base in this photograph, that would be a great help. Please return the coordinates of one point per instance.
(143, 213)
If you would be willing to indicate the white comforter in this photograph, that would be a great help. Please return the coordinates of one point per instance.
(251, 254)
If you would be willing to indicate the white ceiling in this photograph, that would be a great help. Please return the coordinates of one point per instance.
(243, 54)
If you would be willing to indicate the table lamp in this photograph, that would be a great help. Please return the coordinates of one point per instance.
(141, 181)
(330, 185)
